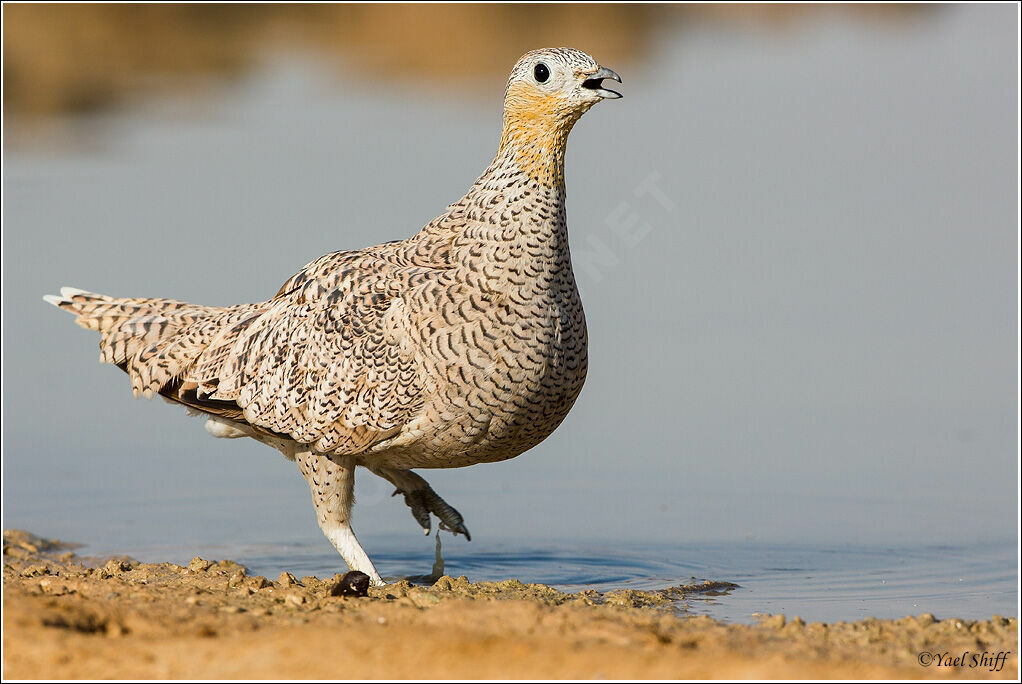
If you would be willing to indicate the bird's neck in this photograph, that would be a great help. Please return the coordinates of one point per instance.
(535, 133)
(535, 149)
(523, 187)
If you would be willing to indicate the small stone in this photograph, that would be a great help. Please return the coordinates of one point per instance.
(397, 590)
(926, 619)
(260, 582)
(115, 566)
(776, 621)
(192, 600)
(286, 579)
(229, 567)
(236, 579)
(353, 583)
(33, 570)
(198, 565)
(295, 599)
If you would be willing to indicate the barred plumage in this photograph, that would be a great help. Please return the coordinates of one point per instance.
(463, 344)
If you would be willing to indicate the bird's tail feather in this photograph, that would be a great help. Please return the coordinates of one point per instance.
(153, 340)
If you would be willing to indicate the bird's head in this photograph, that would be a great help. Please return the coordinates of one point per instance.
(548, 91)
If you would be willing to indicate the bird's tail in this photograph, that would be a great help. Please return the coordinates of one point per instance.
(153, 340)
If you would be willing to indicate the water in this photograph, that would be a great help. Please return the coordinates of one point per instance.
(817, 583)
(802, 376)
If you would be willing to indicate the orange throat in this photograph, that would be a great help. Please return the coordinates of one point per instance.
(535, 135)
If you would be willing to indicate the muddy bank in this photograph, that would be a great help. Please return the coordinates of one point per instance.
(69, 617)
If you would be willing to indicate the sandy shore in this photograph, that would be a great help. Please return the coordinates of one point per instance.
(65, 617)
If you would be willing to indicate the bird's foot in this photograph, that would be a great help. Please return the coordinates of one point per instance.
(424, 501)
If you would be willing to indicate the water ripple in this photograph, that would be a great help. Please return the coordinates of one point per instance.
(827, 584)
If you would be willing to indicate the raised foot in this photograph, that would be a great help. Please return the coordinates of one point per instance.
(425, 501)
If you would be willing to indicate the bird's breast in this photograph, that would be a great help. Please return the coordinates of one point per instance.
(505, 361)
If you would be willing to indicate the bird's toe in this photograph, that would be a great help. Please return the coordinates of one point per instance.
(425, 501)
(416, 501)
(450, 519)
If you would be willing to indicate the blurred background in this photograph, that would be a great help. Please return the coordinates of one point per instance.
(807, 333)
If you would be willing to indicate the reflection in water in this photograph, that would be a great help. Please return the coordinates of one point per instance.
(84, 57)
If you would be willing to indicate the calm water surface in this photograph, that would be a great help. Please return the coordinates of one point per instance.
(817, 583)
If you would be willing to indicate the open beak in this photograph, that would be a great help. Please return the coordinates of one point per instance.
(594, 82)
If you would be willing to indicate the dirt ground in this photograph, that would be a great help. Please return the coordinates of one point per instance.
(67, 617)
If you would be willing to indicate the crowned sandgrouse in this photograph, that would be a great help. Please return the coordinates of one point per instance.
(463, 344)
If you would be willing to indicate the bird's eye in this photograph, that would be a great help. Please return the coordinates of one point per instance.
(541, 72)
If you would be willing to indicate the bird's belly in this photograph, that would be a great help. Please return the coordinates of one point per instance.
(497, 403)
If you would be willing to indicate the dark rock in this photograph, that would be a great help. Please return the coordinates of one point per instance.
(354, 583)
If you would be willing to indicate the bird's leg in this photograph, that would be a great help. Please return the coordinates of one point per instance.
(421, 498)
(332, 482)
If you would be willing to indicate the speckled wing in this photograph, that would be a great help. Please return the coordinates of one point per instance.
(327, 362)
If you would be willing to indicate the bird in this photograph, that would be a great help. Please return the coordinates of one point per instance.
(465, 343)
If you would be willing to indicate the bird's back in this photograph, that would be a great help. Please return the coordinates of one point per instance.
(462, 344)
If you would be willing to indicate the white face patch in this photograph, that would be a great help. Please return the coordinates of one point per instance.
(564, 67)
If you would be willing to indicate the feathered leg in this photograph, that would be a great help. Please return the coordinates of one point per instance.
(333, 493)
(421, 498)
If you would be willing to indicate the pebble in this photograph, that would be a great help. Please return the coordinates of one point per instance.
(198, 565)
(353, 583)
(115, 566)
(260, 582)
